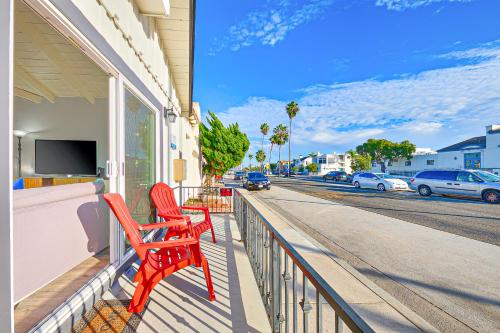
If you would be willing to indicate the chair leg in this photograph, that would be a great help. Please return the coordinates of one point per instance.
(138, 275)
(213, 233)
(140, 297)
(144, 288)
(208, 278)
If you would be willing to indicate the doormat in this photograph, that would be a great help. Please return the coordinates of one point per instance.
(108, 316)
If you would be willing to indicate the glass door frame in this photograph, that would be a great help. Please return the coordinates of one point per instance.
(122, 86)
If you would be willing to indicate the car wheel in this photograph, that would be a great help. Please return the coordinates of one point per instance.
(424, 190)
(268, 188)
(491, 196)
(356, 184)
(381, 187)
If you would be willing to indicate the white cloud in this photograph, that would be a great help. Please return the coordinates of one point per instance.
(400, 5)
(433, 108)
(271, 24)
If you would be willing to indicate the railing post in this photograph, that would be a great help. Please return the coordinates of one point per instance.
(319, 312)
(275, 285)
(286, 279)
(306, 305)
(244, 209)
(266, 268)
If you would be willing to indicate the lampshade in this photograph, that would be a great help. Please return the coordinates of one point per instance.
(20, 133)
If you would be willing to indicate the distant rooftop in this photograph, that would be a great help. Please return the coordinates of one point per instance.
(478, 142)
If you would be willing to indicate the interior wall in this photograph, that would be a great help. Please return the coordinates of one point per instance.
(69, 118)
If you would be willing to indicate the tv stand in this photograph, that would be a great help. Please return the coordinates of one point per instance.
(33, 182)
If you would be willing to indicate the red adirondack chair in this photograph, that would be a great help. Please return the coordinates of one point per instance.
(171, 255)
(164, 199)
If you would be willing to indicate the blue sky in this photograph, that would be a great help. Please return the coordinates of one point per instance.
(423, 70)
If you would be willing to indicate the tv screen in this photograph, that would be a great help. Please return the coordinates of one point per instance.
(65, 157)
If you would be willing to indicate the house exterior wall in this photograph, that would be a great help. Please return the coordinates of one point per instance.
(332, 162)
(491, 157)
(128, 28)
(191, 152)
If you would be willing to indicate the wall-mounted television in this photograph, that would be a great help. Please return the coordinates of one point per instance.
(66, 157)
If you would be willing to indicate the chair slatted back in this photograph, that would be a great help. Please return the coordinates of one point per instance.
(164, 199)
(131, 227)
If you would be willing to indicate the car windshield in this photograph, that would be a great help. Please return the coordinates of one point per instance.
(254, 175)
(388, 176)
(487, 176)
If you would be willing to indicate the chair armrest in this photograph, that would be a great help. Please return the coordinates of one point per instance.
(169, 243)
(194, 208)
(160, 225)
(175, 217)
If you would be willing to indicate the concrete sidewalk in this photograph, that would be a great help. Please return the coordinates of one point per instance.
(459, 276)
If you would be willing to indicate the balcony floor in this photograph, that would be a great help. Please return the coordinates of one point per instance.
(179, 303)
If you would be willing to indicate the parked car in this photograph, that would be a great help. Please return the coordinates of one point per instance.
(379, 181)
(336, 176)
(256, 181)
(292, 173)
(469, 183)
(239, 175)
(350, 178)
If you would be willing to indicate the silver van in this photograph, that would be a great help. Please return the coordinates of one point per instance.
(470, 183)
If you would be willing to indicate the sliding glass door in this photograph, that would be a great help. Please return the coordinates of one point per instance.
(139, 158)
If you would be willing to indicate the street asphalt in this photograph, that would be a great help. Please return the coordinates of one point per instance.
(450, 281)
(469, 218)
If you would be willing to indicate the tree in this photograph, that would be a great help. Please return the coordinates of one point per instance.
(250, 157)
(272, 139)
(222, 147)
(382, 150)
(292, 109)
(281, 137)
(273, 166)
(313, 167)
(360, 162)
(260, 157)
(264, 129)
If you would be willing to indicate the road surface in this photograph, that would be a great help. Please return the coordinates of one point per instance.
(465, 217)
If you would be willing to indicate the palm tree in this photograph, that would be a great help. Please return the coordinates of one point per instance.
(281, 134)
(272, 139)
(250, 157)
(264, 129)
(260, 157)
(292, 109)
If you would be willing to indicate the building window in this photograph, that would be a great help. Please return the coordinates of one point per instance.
(389, 163)
(472, 160)
(322, 160)
(407, 163)
(430, 162)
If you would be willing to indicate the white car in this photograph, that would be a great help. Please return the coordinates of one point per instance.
(379, 181)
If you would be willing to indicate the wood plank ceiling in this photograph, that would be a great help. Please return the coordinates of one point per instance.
(48, 66)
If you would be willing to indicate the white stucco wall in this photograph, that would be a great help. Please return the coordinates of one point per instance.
(492, 151)
(191, 152)
(143, 33)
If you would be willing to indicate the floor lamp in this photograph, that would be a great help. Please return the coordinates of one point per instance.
(19, 134)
